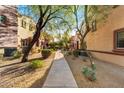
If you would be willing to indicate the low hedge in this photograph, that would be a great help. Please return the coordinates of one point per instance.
(16, 54)
(46, 53)
(36, 64)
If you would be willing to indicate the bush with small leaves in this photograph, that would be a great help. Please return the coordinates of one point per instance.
(16, 54)
(36, 64)
(94, 66)
(46, 53)
(89, 73)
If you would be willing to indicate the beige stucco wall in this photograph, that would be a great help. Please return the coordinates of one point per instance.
(24, 33)
(116, 59)
(102, 39)
(1, 50)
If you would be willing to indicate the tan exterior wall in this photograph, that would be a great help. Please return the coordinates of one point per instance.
(24, 33)
(1, 51)
(8, 30)
(116, 59)
(102, 39)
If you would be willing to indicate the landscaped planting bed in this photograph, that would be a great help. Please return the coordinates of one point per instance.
(107, 74)
(22, 75)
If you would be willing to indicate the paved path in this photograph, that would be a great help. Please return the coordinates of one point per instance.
(60, 75)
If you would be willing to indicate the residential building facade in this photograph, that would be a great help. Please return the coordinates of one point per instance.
(26, 30)
(107, 42)
(8, 28)
(75, 42)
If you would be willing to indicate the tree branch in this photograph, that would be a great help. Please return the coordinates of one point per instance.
(55, 11)
(45, 21)
(61, 19)
(40, 9)
(46, 10)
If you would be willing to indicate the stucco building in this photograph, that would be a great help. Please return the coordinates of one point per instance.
(8, 26)
(26, 30)
(75, 41)
(8, 29)
(107, 42)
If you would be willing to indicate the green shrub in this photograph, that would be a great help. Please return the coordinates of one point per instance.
(93, 66)
(76, 53)
(52, 50)
(46, 53)
(89, 73)
(16, 54)
(36, 64)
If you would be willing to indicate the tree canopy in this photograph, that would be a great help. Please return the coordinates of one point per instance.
(59, 20)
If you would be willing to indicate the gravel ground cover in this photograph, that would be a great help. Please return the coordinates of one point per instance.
(108, 75)
(19, 75)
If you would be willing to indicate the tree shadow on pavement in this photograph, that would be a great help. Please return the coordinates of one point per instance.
(39, 83)
(11, 64)
(14, 70)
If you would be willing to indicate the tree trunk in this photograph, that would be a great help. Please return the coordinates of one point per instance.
(83, 44)
(34, 40)
(36, 36)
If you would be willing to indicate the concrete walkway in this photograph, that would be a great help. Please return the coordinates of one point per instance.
(60, 75)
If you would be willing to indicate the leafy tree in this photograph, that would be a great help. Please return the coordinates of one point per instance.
(45, 16)
(62, 18)
(66, 38)
(46, 36)
(90, 13)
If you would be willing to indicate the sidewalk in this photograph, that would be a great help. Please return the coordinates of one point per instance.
(60, 75)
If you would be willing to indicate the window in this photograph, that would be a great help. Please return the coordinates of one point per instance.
(2, 19)
(94, 26)
(24, 43)
(120, 39)
(31, 27)
(23, 23)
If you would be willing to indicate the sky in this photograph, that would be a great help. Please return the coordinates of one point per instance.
(23, 9)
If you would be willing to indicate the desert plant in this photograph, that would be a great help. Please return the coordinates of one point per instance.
(36, 64)
(46, 53)
(89, 73)
(94, 66)
(16, 54)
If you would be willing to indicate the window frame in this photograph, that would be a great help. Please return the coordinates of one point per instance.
(5, 19)
(116, 49)
(94, 25)
(30, 27)
(23, 23)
